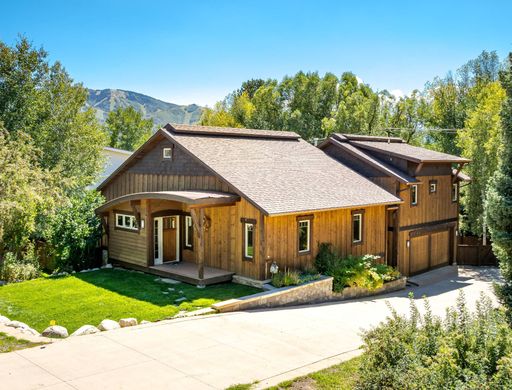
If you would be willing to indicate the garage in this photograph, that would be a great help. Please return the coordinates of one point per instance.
(429, 249)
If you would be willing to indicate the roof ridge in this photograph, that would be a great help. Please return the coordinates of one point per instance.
(230, 131)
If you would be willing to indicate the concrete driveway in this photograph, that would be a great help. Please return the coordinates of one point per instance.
(221, 350)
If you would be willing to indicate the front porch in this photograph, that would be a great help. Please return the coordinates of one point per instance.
(187, 272)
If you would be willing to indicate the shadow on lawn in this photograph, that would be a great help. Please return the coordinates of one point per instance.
(148, 288)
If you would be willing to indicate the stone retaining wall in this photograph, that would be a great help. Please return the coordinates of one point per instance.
(316, 291)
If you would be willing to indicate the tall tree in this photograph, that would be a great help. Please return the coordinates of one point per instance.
(499, 196)
(481, 142)
(40, 99)
(127, 129)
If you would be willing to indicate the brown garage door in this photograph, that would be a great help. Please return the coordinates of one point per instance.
(428, 250)
(418, 258)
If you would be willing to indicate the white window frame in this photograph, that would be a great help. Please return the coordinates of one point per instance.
(360, 230)
(433, 188)
(188, 223)
(132, 225)
(455, 192)
(308, 236)
(167, 153)
(246, 240)
(414, 200)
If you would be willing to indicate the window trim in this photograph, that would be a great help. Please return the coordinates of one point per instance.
(309, 220)
(245, 223)
(188, 241)
(430, 184)
(123, 213)
(415, 202)
(455, 194)
(359, 213)
(164, 157)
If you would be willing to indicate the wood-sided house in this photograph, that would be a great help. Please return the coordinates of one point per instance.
(204, 203)
(421, 231)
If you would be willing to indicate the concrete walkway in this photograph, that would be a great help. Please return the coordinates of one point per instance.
(221, 350)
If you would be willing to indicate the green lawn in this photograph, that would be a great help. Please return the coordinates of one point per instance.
(339, 377)
(9, 343)
(88, 298)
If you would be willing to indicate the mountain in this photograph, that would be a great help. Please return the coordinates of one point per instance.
(106, 100)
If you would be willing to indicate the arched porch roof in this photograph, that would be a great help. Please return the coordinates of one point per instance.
(193, 198)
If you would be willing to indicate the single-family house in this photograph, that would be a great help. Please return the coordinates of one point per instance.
(204, 203)
(421, 231)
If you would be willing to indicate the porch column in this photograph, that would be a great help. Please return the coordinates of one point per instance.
(198, 219)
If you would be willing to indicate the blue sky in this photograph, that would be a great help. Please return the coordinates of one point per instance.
(198, 51)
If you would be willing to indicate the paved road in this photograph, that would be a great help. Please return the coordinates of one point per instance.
(221, 350)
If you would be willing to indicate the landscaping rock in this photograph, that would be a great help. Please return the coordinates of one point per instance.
(17, 324)
(85, 330)
(125, 322)
(180, 299)
(4, 320)
(31, 332)
(145, 322)
(108, 325)
(107, 266)
(55, 331)
(170, 281)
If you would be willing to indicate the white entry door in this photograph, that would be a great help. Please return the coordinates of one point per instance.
(158, 241)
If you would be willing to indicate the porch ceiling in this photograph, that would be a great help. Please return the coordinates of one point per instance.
(193, 198)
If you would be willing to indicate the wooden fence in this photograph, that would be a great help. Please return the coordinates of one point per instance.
(471, 251)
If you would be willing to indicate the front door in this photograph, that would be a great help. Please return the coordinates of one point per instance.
(166, 239)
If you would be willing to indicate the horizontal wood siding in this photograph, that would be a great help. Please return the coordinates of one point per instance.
(127, 246)
(333, 227)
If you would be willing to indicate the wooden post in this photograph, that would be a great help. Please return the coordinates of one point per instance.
(198, 221)
(149, 235)
(262, 258)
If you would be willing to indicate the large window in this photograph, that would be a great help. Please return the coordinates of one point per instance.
(189, 232)
(357, 228)
(414, 194)
(125, 221)
(248, 238)
(455, 192)
(304, 232)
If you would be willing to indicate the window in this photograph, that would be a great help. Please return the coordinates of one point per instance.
(455, 192)
(304, 227)
(248, 240)
(125, 221)
(189, 232)
(167, 153)
(432, 186)
(357, 228)
(414, 194)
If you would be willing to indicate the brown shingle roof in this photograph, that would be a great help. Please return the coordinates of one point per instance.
(279, 175)
(231, 131)
(374, 162)
(409, 152)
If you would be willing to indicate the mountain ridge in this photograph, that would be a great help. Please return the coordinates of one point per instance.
(105, 100)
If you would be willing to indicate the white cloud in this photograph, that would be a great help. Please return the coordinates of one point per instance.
(398, 93)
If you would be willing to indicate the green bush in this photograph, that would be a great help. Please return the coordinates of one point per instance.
(73, 231)
(13, 269)
(293, 278)
(352, 271)
(463, 351)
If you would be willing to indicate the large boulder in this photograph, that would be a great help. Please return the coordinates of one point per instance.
(55, 331)
(4, 320)
(125, 322)
(85, 330)
(17, 324)
(108, 325)
(31, 332)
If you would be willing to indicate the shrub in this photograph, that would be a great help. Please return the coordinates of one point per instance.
(352, 271)
(14, 269)
(293, 278)
(463, 351)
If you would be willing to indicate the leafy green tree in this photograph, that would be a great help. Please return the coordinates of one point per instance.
(220, 116)
(40, 99)
(498, 204)
(481, 142)
(127, 129)
(26, 192)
